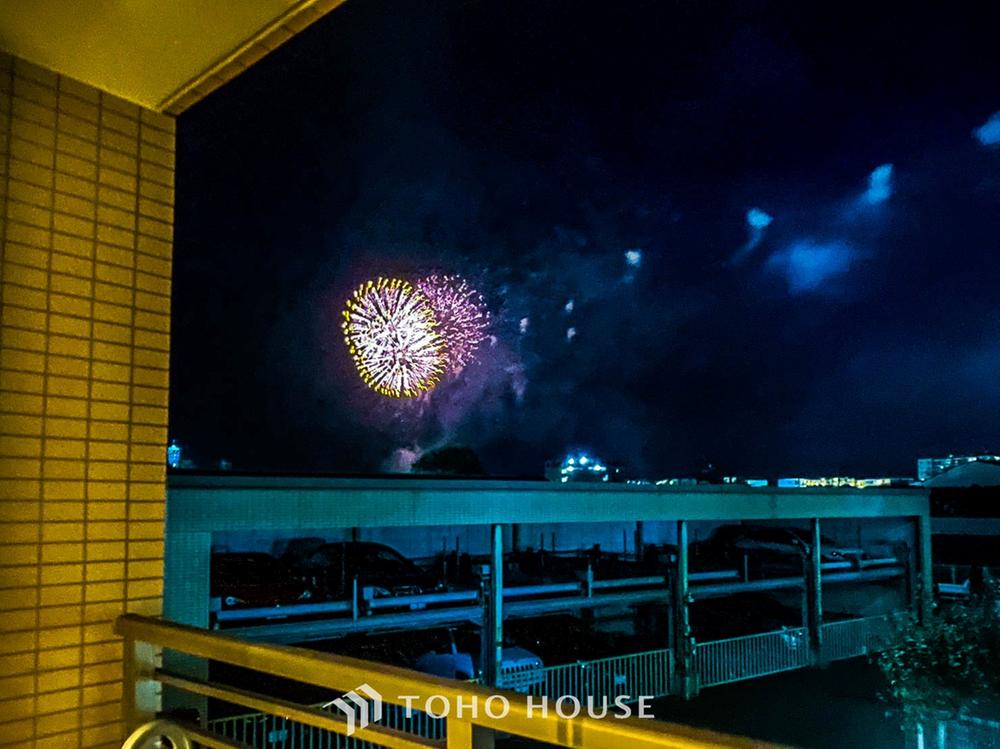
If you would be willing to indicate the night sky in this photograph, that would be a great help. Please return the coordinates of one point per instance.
(772, 227)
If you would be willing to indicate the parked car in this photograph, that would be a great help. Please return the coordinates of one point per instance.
(335, 565)
(830, 550)
(296, 552)
(766, 549)
(538, 566)
(533, 566)
(656, 558)
(242, 580)
(520, 669)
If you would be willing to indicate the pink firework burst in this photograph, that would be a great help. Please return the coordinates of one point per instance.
(461, 314)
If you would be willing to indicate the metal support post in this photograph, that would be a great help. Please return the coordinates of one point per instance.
(684, 652)
(814, 592)
(491, 635)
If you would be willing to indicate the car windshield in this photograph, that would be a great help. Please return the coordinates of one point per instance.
(806, 538)
(386, 559)
(249, 567)
(386, 555)
(727, 533)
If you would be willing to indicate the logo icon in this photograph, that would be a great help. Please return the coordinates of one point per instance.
(359, 711)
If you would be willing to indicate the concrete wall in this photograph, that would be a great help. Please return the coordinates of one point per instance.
(86, 191)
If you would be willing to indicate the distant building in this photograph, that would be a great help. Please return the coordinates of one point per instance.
(842, 482)
(678, 482)
(928, 468)
(581, 467)
(974, 473)
(737, 480)
(965, 519)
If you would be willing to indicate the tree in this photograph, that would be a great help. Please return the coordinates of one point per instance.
(460, 461)
(941, 669)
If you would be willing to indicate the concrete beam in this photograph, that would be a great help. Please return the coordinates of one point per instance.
(206, 503)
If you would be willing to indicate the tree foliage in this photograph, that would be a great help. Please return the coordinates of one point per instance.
(941, 669)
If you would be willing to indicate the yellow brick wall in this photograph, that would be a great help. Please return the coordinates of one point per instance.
(86, 191)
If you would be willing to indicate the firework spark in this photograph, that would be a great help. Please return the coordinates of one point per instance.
(462, 315)
(392, 335)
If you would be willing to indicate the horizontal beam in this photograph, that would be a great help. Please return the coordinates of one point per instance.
(328, 629)
(214, 503)
(424, 618)
(283, 612)
(782, 583)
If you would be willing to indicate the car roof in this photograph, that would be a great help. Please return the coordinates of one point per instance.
(234, 555)
(358, 545)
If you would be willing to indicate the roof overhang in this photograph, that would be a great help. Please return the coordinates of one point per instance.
(164, 56)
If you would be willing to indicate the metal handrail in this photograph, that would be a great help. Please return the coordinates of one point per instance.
(340, 673)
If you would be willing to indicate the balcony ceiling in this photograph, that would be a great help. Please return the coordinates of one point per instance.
(162, 54)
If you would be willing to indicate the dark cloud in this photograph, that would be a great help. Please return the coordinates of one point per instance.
(811, 266)
(989, 132)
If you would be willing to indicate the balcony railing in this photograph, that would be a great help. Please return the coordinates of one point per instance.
(144, 637)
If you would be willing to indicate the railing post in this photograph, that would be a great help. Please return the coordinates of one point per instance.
(686, 683)
(186, 589)
(814, 593)
(461, 734)
(129, 678)
(141, 694)
(355, 604)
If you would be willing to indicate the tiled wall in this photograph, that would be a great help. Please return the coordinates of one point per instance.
(86, 191)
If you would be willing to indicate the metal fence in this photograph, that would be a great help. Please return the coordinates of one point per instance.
(856, 637)
(739, 658)
(265, 731)
(971, 733)
(639, 674)
(962, 580)
(963, 733)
